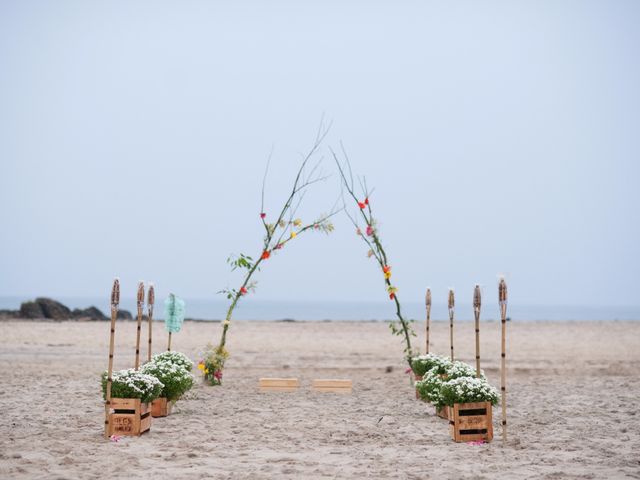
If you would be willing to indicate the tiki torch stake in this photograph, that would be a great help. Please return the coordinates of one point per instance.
(476, 312)
(452, 308)
(502, 296)
(151, 298)
(428, 304)
(115, 300)
(140, 308)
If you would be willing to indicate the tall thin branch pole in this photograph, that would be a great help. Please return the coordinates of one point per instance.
(428, 305)
(140, 302)
(301, 182)
(151, 298)
(452, 309)
(169, 343)
(477, 302)
(502, 297)
(115, 301)
(375, 245)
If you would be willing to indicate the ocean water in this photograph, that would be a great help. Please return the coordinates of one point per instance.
(255, 309)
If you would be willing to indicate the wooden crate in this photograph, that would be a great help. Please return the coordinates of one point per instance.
(471, 422)
(417, 378)
(278, 384)
(443, 412)
(161, 407)
(331, 385)
(130, 417)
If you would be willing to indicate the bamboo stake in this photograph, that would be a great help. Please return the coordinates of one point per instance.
(476, 312)
(151, 298)
(452, 307)
(140, 307)
(169, 345)
(115, 300)
(428, 305)
(502, 297)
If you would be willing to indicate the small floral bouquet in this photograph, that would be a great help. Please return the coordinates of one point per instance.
(212, 363)
(175, 378)
(132, 384)
(424, 363)
(468, 389)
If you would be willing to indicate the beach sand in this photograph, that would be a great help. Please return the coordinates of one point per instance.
(573, 390)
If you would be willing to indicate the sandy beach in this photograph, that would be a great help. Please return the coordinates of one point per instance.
(573, 404)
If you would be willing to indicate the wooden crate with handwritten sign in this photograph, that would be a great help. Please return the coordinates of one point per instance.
(129, 417)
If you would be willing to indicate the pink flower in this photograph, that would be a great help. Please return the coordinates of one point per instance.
(263, 215)
(217, 374)
(115, 438)
(370, 230)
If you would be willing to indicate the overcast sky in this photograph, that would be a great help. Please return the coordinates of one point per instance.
(501, 137)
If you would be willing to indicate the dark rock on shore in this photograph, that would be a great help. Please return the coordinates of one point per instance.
(124, 315)
(92, 313)
(53, 310)
(31, 310)
(9, 314)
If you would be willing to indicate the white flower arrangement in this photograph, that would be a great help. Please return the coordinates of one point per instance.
(460, 369)
(468, 389)
(176, 380)
(175, 358)
(424, 363)
(131, 383)
(430, 388)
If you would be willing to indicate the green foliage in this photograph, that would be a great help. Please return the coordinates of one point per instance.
(132, 384)
(241, 261)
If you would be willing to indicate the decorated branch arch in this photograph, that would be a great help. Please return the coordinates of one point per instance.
(284, 227)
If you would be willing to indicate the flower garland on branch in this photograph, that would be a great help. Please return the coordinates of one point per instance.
(370, 235)
(284, 228)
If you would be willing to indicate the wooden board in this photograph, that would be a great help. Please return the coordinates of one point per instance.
(332, 386)
(278, 384)
(471, 422)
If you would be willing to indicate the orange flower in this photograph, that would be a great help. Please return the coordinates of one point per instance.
(266, 254)
(386, 269)
(392, 296)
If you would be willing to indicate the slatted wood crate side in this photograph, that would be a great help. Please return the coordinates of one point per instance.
(161, 407)
(130, 417)
(278, 384)
(443, 412)
(417, 378)
(471, 422)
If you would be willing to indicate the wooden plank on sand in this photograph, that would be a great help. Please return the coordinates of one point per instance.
(278, 384)
(332, 385)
